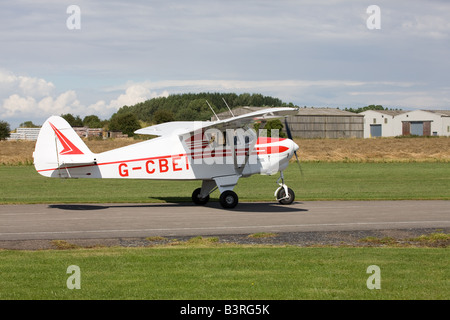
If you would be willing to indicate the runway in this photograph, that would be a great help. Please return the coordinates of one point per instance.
(90, 221)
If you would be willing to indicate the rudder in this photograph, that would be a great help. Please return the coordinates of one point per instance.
(59, 146)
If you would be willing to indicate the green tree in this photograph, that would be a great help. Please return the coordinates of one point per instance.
(28, 124)
(72, 120)
(200, 109)
(127, 123)
(270, 125)
(193, 106)
(4, 130)
(369, 107)
(92, 121)
(186, 114)
(162, 116)
(245, 99)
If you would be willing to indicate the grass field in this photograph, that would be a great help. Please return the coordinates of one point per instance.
(436, 149)
(343, 169)
(226, 272)
(320, 181)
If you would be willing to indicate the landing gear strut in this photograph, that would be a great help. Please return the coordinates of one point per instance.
(284, 194)
(228, 199)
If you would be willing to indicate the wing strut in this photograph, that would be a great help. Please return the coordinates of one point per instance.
(212, 110)
(228, 106)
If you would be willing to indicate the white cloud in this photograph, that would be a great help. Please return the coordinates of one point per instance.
(29, 98)
(25, 96)
(241, 85)
(409, 99)
(319, 93)
(25, 85)
(134, 93)
(15, 104)
(242, 40)
(35, 87)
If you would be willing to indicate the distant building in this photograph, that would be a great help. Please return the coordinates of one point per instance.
(25, 134)
(315, 122)
(31, 134)
(383, 123)
(326, 123)
(85, 132)
(116, 134)
(380, 123)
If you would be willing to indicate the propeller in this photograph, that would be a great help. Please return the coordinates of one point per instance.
(288, 131)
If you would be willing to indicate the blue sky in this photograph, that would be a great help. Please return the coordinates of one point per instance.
(311, 53)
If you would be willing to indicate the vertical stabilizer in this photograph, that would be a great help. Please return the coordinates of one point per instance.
(59, 147)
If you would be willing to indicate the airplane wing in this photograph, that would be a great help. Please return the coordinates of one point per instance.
(183, 127)
(260, 115)
(173, 128)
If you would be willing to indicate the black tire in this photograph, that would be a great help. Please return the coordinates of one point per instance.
(281, 194)
(228, 199)
(197, 200)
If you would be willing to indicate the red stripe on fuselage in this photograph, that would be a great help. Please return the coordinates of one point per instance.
(224, 153)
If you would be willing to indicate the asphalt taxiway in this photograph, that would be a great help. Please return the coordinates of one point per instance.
(88, 221)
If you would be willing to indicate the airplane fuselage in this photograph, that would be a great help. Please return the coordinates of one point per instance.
(168, 158)
(217, 153)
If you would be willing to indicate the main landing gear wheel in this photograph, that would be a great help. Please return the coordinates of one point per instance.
(285, 199)
(228, 199)
(196, 197)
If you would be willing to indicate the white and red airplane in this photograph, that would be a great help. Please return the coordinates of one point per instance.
(216, 152)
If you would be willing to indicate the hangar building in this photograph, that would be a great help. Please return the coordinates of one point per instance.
(326, 123)
(316, 122)
(384, 123)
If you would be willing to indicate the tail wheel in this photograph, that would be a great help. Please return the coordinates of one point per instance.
(196, 197)
(228, 199)
(286, 199)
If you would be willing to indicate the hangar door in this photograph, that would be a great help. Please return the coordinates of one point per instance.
(375, 130)
(418, 128)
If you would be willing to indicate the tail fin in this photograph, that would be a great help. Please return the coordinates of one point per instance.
(59, 147)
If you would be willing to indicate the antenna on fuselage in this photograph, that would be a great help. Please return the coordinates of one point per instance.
(212, 110)
(228, 106)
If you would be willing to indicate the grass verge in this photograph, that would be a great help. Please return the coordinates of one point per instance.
(204, 269)
(319, 181)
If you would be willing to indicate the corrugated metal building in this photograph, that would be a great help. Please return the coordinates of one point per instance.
(326, 123)
(316, 122)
